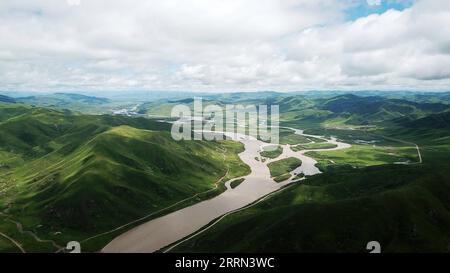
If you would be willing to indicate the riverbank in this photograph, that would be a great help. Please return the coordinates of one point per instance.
(161, 232)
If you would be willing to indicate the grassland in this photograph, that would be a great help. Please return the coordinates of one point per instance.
(67, 177)
(283, 166)
(289, 137)
(365, 155)
(313, 146)
(272, 152)
(282, 177)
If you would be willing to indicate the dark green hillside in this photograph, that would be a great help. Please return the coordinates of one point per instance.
(435, 121)
(68, 177)
(376, 109)
(370, 105)
(350, 111)
(8, 111)
(405, 208)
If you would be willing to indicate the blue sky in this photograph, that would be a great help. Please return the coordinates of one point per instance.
(363, 8)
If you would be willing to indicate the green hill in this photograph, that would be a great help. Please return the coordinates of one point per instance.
(370, 105)
(434, 121)
(349, 110)
(375, 109)
(405, 208)
(68, 177)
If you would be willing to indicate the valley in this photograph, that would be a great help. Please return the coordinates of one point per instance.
(215, 135)
(117, 182)
(161, 232)
(95, 167)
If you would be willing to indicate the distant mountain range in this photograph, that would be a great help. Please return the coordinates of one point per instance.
(7, 99)
(62, 100)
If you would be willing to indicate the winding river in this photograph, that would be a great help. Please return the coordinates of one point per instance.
(163, 231)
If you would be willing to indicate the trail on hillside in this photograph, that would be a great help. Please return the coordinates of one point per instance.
(13, 241)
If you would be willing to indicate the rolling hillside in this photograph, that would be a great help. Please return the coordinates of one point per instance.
(328, 111)
(406, 209)
(68, 176)
(357, 110)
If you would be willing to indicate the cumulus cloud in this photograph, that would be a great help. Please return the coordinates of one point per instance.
(213, 45)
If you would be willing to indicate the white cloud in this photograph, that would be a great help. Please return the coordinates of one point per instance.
(374, 2)
(214, 45)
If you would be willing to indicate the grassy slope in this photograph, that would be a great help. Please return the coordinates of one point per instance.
(352, 112)
(405, 208)
(81, 175)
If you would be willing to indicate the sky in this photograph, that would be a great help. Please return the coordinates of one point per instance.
(224, 45)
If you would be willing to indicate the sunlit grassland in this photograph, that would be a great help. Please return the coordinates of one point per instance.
(288, 136)
(366, 155)
(282, 177)
(313, 146)
(284, 166)
(272, 151)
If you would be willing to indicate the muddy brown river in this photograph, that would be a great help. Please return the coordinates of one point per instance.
(164, 231)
